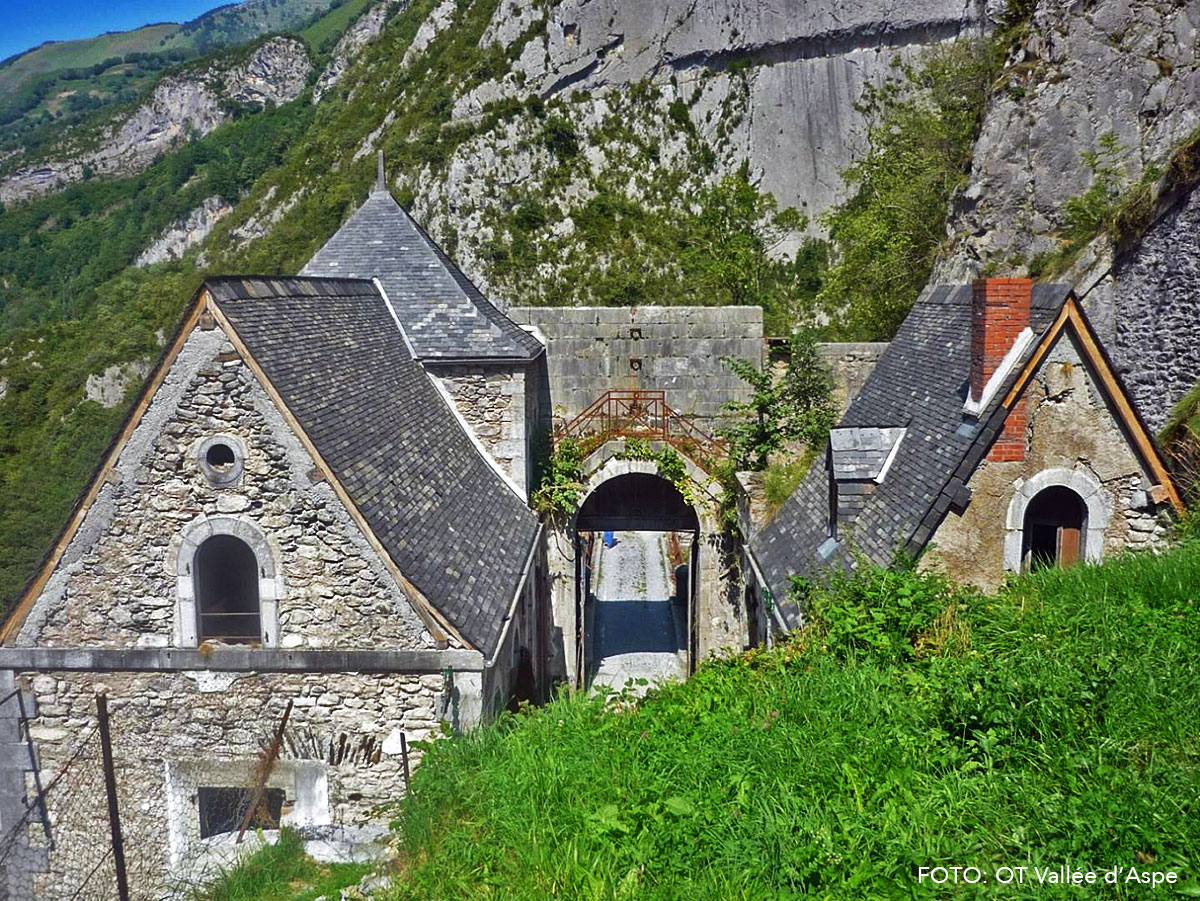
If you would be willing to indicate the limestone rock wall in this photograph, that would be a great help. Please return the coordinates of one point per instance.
(119, 582)
(811, 61)
(364, 30)
(1152, 298)
(191, 103)
(186, 233)
(1087, 69)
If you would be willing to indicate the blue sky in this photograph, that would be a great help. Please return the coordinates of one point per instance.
(26, 23)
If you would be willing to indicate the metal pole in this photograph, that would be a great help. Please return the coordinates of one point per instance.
(33, 765)
(272, 753)
(110, 786)
(404, 757)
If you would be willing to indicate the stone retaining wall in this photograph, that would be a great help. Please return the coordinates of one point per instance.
(591, 350)
(176, 732)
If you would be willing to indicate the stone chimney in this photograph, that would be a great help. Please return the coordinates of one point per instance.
(999, 320)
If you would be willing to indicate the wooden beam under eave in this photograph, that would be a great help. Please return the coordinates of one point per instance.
(439, 627)
(1141, 438)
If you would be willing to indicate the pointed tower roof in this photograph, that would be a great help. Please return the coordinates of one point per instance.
(446, 317)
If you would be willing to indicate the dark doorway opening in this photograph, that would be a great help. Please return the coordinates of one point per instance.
(637, 555)
(1054, 528)
(227, 602)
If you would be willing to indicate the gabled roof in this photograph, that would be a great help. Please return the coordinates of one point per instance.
(920, 383)
(333, 357)
(445, 315)
(337, 358)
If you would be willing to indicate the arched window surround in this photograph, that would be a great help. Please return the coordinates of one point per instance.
(1084, 484)
(183, 560)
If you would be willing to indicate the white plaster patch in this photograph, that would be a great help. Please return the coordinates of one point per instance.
(207, 681)
(394, 743)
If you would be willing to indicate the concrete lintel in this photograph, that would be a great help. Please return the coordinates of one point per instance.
(238, 659)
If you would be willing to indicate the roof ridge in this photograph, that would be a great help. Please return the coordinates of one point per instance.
(448, 317)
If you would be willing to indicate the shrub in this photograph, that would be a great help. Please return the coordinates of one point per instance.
(797, 406)
(559, 137)
(921, 135)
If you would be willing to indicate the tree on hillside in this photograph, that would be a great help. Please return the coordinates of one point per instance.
(729, 252)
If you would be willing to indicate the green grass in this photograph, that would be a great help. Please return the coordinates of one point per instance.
(282, 872)
(1056, 722)
(80, 54)
(333, 23)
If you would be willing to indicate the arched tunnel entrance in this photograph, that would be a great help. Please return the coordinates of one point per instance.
(637, 552)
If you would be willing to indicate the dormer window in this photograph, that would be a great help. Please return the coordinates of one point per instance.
(859, 460)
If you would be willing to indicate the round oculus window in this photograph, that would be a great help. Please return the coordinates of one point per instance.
(220, 458)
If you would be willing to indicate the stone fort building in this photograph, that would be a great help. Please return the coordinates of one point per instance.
(321, 498)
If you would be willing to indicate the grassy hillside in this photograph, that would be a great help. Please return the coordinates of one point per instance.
(56, 55)
(330, 26)
(1054, 723)
(53, 90)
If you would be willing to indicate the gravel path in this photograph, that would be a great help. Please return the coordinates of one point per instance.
(635, 630)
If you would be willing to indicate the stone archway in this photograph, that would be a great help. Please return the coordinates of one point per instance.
(712, 622)
(181, 562)
(1095, 500)
(635, 601)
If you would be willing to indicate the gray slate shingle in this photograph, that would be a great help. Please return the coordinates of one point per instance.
(445, 315)
(332, 350)
(919, 383)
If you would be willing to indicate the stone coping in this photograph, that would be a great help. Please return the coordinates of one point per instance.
(239, 659)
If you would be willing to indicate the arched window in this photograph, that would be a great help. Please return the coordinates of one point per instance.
(227, 602)
(1054, 526)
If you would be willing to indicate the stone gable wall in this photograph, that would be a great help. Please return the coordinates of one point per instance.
(1069, 428)
(117, 585)
(493, 402)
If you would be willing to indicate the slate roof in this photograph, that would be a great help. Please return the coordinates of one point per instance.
(919, 383)
(445, 315)
(334, 353)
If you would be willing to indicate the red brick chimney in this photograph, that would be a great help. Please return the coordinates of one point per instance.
(999, 313)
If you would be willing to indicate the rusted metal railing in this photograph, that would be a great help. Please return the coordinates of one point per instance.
(641, 414)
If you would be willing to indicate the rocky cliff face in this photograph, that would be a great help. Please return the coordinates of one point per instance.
(186, 233)
(806, 63)
(364, 30)
(770, 84)
(189, 104)
(1128, 69)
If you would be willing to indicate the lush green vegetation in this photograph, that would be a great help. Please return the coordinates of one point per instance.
(921, 136)
(52, 91)
(914, 724)
(282, 872)
(71, 305)
(796, 405)
(325, 31)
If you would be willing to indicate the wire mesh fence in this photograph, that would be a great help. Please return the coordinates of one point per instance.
(63, 836)
(71, 801)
